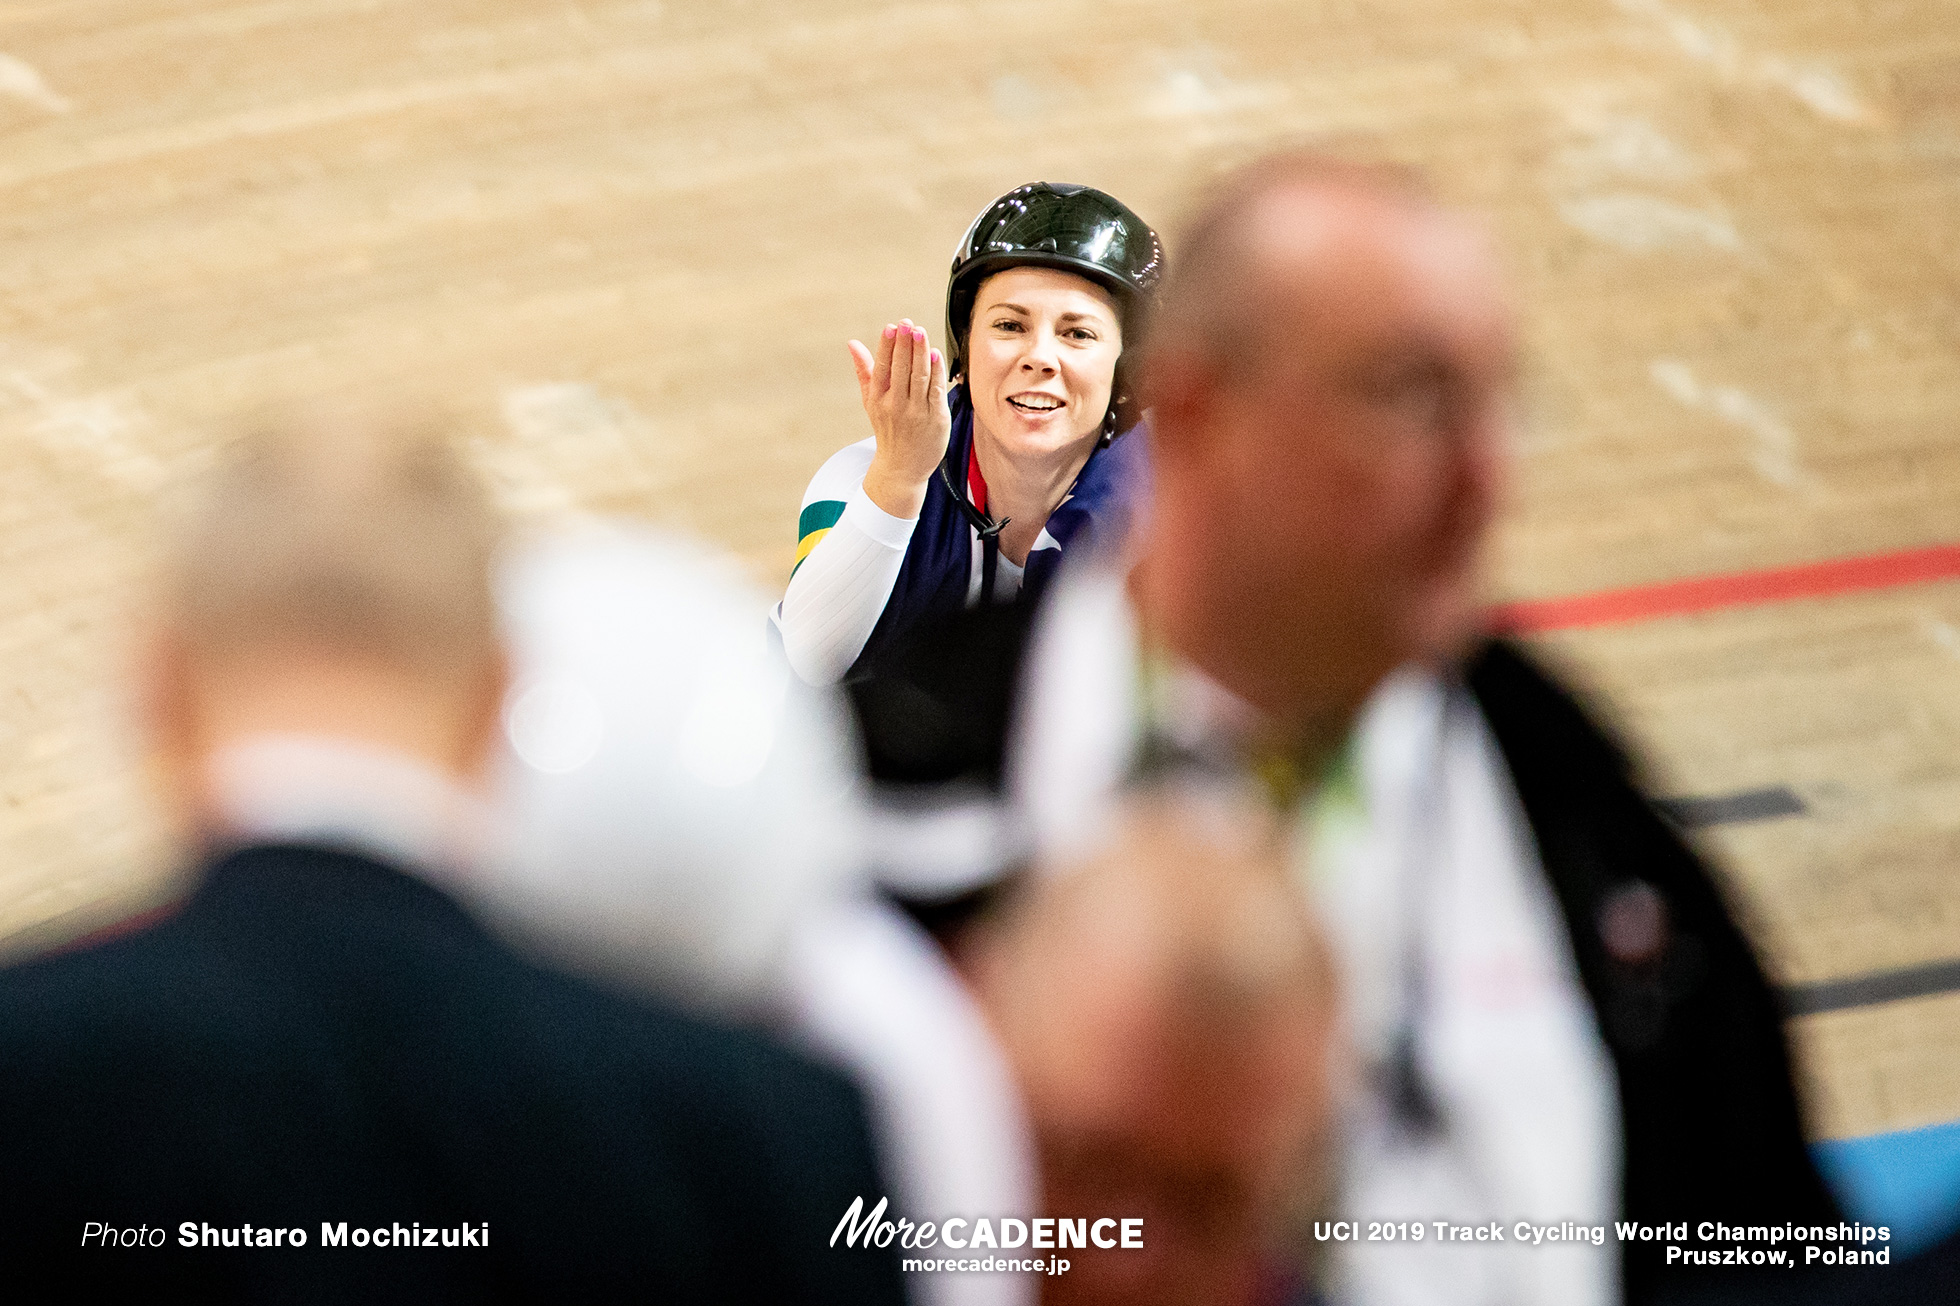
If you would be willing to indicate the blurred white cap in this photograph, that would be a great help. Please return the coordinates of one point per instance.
(675, 800)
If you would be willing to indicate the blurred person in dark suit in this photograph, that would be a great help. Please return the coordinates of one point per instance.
(1557, 1015)
(319, 1043)
(1168, 1008)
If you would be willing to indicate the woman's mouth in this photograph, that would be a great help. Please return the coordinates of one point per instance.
(1036, 403)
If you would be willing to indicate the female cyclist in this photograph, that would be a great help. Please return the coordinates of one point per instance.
(986, 462)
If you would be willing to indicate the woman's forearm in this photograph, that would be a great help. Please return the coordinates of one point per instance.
(840, 590)
(896, 492)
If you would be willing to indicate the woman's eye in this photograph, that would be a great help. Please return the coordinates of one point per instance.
(1007, 324)
(1083, 334)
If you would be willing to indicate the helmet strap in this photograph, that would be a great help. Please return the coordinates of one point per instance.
(987, 527)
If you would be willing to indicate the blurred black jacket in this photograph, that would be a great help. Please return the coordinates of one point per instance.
(317, 1038)
(1708, 1109)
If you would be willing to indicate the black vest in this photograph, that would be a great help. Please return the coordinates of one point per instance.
(1709, 1112)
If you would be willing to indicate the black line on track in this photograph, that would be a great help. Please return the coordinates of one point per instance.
(1853, 991)
(1732, 809)
(1923, 981)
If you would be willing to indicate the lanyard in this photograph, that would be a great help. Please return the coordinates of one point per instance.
(1411, 1101)
(976, 516)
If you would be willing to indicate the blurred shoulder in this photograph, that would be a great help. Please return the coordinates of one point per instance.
(125, 976)
(754, 1128)
(721, 1065)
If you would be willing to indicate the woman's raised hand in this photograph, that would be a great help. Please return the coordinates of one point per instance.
(904, 392)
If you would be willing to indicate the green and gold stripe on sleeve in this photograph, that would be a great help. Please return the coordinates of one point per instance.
(815, 523)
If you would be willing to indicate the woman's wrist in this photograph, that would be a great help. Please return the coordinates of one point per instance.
(896, 493)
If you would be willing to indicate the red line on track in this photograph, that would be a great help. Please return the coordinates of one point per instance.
(1677, 598)
(141, 921)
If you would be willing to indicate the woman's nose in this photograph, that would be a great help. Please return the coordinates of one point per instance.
(1041, 355)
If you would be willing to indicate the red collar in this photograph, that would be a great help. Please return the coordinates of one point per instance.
(976, 484)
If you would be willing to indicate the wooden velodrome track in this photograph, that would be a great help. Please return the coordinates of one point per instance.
(626, 241)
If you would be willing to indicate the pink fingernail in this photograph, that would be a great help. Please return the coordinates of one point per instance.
(935, 357)
(890, 331)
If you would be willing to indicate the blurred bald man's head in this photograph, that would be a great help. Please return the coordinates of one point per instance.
(330, 579)
(1329, 384)
(1167, 1007)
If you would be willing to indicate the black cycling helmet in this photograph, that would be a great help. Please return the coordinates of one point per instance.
(1078, 229)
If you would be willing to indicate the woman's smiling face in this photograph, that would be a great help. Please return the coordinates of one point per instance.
(1041, 359)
